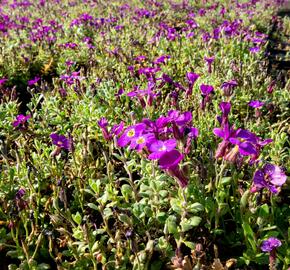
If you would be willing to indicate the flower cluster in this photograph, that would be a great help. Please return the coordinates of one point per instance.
(21, 121)
(236, 143)
(167, 140)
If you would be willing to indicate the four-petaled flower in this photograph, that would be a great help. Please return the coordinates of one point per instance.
(270, 177)
(256, 104)
(21, 121)
(270, 244)
(60, 141)
(158, 148)
(33, 81)
(130, 133)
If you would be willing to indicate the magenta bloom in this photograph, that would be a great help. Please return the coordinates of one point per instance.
(103, 122)
(115, 130)
(130, 133)
(157, 127)
(21, 121)
(139, 142)
(170, 159)
(206, 89)
(270, 177)
(225, 108)
(254, 50)
(209, 61)
(228, 87)
(33, 81)
(140, 58)
(181, 119)
(161, 60)
(256, 104)
(60, 141)
(3, 81)
(158, 148)
(270, 244)
(191, 77)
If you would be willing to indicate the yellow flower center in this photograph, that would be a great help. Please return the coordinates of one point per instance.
(163, 148)
(140, 140)
(131, 133)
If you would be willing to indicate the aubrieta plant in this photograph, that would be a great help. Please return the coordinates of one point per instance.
(143, 135)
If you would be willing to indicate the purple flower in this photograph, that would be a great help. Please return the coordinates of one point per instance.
(270, 177)
(158, 148)
(225, 108)
(238, 143)
(270, 244)
(20, 193)
(206, 90)
(21, 121)
(254, 50)
(271, 87)
(192, 78)
(180, 122)
(60, 141)
(130, 133)
(161, 60)
(117, 129)
(192, 134)
(209, 61)
(141, 94)
(228, 87)
(103, 122)
(170, 159)
(139, 142)
(140, 58)
(3, 81)
(157, 127)
(181, 119)
(33, 81)
(256, 104)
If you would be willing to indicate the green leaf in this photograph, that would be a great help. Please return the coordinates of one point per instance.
(226, 180)
(171, 225)
(187, 224)
(77, 218)
(196, 207)
(245, 199)
(264, 211)
(95, 185)
(249, 235)
(125, 219)
(189, 244)
(163, 193)
(195, 221)
(126, 191)
(108, 212)
(93, 206)
(161, 217)
(175, 205)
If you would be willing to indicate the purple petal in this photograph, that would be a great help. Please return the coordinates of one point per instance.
(219, 132)
(247, 149)
(170, 159)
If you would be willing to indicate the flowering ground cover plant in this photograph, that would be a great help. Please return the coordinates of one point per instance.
(142, 135)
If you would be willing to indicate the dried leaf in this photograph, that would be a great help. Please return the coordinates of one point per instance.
(230, 263)
(217, 265)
